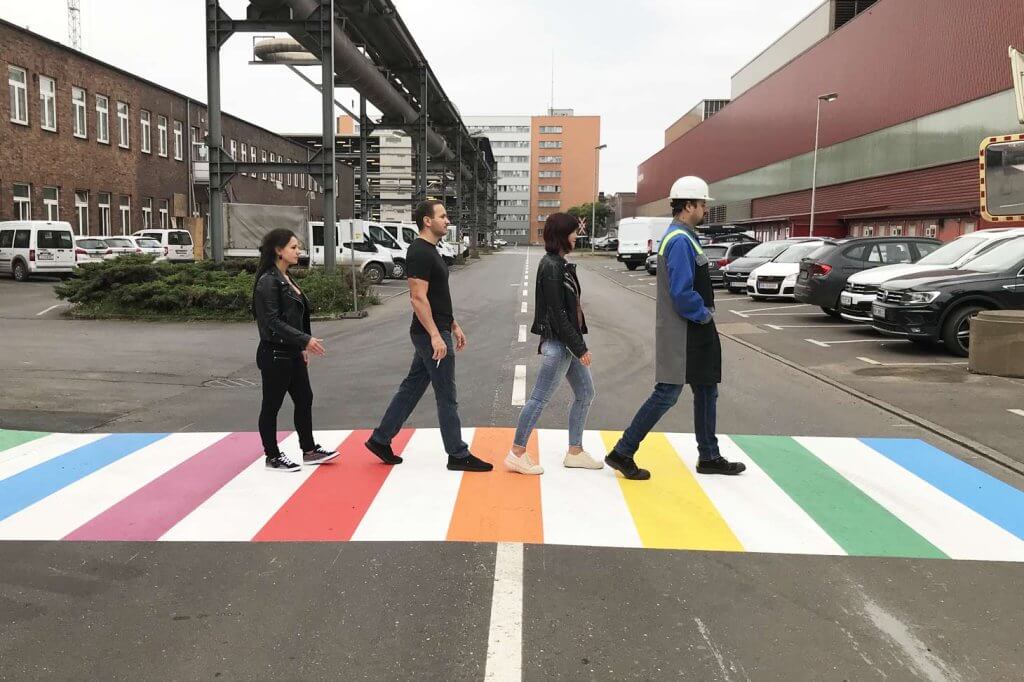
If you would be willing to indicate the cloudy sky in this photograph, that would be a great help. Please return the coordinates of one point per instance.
(638, 64)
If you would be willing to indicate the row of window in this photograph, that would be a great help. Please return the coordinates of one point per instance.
(549, 188)
(513, 173)
(500, 129)
(521, 217)
(513, 188)
(550, 129)
(514, 144)
(22, 209)
(550, 173)
(549, 203)
(512, 159)
(931, 230)
(551, 159)
(513, 202)
(551, 144)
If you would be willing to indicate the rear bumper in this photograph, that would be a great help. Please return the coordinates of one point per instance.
(814, 294)
(632, 257)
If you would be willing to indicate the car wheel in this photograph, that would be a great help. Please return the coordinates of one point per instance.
(632, 266)
(956, 332)
(20, 271)
(399, 271)
(374, 273)
(832, 312)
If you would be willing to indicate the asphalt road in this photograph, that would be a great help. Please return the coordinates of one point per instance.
(423, 610)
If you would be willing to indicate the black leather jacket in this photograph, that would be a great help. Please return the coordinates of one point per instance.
(281, 315)
(556, 305)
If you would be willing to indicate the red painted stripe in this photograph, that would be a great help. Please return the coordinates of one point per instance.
(332, 502)
(159, 505)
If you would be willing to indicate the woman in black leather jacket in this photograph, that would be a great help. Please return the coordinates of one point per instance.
(560, 323)
(282, 315)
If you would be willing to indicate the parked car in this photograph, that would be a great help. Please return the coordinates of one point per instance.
(608, 244)
(638, 238)
(91, 250)
(148, 247)
(862, 287)
(36, 247)
(736, 274)
(822, 279)
(120, 246)
(177, 244)
(719, 255)
(500, 242)
(777, 278)
(938, 305)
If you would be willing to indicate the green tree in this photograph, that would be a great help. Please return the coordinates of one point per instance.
(602, 217)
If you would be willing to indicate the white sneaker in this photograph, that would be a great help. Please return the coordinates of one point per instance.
(582, 461)
(522, 465)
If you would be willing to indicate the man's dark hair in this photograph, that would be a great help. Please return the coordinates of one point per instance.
(679, 205)
(425, 209)
(557, 229)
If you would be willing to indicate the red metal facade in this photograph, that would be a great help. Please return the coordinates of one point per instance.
(900, 60)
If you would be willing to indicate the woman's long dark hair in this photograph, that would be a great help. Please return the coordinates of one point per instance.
(272, 241)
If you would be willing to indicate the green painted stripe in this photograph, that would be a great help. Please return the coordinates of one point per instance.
(855, 521)
(10, 439)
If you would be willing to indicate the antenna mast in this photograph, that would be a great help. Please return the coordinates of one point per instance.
(75, 24)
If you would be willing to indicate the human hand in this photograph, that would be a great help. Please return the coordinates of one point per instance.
(316, 347)
(439, 346)
(586, 359)
(305, 357)
(460, 337)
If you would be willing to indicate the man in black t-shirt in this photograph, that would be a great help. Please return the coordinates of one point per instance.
(435, 337)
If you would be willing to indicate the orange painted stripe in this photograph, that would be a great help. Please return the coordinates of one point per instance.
(498, 506)
(332, 502)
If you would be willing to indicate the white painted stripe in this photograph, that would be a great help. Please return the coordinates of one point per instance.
(817, 343)
(1019, 413)
(505, 635)
(526, 292)
(760, 513)
(243, 506)
(869, 361)
(58, 514)
(418, 496)
(523, 309)
(744, 314)
(522, 333)
(780, 327)
(581, 506)
(778, 307)
(948, 524)
(519, 386)
(52, 307)
(27, 455)
(828, 344)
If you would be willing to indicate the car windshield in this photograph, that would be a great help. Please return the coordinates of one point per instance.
(1006, 256)
(947, 254)
(715, 252)
(92, 244)
(179, 239)
(119, 243)
(768, 249)
(798, 252)
(148, 244)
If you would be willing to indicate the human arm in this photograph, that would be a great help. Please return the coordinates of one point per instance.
(421, 307)
(552, 284)
(680, 265)
(268, 309)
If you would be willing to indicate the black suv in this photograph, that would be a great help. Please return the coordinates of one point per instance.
(938, 305)
(822, 279)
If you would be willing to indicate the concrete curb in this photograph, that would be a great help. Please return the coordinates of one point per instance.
(963, 441)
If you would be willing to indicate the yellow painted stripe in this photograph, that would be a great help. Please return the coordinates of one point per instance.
(671, 510)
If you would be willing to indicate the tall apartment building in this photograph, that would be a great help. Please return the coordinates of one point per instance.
(510, 138)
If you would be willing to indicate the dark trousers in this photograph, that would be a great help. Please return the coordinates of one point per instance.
(663, 399)
(284, 371)
(426, 372)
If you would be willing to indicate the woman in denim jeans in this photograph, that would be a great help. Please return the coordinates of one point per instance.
(559, 321)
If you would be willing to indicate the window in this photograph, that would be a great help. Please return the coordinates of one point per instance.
(125, 204)
(273, 159)
(549, 188)
(164, 214)
(931, 231)
(22, 239)
(926, 249)
(196, 142)
(549, 203)
(550, 129)
(22, 201)
(263, 159)
(896, 252)
(161, 136)
(47, 103)
(245, 154)
(288, 176)
(123, 131)
(869, 230)
(234, 150)
(78, 108)
(102, 119)
(179, 133)
(551, 144)
(551, 174)
(551, 159)
(147, 146)
(6, 239)
(513, 174)
(51, 203)
(147, 213)
(17, 80)
(103, 201)
(896, 231)
(302, 180)
(82, 212)
(541, 218)
(512, 159)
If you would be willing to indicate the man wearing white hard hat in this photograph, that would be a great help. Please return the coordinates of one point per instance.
(686, 345)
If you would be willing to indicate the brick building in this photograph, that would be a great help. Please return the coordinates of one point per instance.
(91, 144)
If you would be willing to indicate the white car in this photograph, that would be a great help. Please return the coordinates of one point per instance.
(862, 287)
(91, 250)
(777, 278)
(145, 246)
(120, 246)
(177, 244)
(36, 247)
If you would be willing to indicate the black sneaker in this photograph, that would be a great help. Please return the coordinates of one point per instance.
(468, 463)
(282, 463)
(721, 466)
(626, 466)
(384, 452)
(318, 456)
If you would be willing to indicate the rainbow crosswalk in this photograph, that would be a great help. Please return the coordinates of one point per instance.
(800, 495)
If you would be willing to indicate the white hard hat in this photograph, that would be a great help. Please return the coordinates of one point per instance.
(690, 187)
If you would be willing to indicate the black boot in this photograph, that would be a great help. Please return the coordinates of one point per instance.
(626, 466)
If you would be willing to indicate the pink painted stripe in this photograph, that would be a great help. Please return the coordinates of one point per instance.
(156, 507)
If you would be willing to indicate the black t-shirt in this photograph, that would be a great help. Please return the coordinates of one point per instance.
(423, 261)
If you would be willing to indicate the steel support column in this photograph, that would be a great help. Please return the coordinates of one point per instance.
(214, 40)
(424, 130)
(330, 178)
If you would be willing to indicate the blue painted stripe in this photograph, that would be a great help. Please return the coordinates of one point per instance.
(30, 486)
(1000, 503)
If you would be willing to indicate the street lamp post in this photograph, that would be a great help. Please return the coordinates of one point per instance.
(831, 97)
(593, 206)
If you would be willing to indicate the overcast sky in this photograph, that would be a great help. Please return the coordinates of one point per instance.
(638, 64)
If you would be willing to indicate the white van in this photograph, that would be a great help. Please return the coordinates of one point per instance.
(177, 244)
(379, 234)
(372, 260)
(638, 238)
(36, 247)
(406, 233)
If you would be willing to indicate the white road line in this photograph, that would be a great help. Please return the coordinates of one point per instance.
(523, 309)
(817, 343)
(522, 333)
(52, 307)
(777, 307)
(525, 292)
(1019, 413)
(505, 637)
(519, 386)
(829, 344)
(652, 284)
(780, 327)
(870, 361)
(745, 314)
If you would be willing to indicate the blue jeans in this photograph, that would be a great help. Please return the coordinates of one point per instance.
(558, 362)
(424, 372)
(705, 415)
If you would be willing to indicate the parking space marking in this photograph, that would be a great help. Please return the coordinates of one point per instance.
(743, 313)
(872, 361)
(1019, 413)
(52, 307)
(778, 307)
(829, 344)
(780, 327)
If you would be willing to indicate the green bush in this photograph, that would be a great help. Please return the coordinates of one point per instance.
(136, 287)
